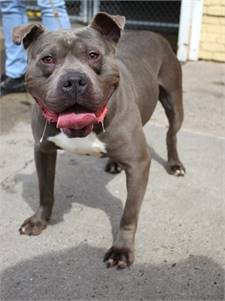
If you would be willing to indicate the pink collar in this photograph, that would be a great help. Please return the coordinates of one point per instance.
(48, 115)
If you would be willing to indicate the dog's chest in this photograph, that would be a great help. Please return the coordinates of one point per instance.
(89, 145)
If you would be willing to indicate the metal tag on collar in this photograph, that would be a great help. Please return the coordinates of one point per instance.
(103, 128)
(43, 134)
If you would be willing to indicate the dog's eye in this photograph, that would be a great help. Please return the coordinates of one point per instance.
(48, 60)
(92, 55)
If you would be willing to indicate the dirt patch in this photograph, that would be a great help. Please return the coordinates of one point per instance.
(14, 108)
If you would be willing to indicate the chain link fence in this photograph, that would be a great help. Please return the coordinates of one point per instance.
(160, 16)
(154, 15)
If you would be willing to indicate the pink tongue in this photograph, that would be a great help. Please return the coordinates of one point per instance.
(75, 121)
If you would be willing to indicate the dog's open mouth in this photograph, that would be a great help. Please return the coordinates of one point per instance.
(79, 121)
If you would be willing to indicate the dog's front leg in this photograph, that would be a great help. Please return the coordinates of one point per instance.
(121, 254)
(45, 164)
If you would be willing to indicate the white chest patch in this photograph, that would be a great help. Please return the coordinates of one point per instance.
(89, 145)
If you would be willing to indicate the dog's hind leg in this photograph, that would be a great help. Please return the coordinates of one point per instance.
(170, 96)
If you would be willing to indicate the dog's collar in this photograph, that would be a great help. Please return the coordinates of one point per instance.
(50, 116)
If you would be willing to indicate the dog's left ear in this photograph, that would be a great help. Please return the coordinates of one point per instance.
(26, 34)
(108, 25)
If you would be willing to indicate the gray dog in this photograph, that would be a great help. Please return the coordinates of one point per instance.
(93, 96)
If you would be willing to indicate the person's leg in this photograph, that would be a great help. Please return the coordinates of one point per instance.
(13, 14)
(54, 14)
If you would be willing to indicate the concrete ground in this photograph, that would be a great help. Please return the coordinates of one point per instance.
(180, 245)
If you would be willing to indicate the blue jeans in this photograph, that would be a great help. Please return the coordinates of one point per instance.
(14, 14)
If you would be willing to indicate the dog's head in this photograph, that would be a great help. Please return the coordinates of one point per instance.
(70, 68)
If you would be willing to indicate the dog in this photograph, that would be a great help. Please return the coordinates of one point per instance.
(94, 89)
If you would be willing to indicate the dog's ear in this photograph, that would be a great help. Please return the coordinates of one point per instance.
(26, 34)
(108, 25)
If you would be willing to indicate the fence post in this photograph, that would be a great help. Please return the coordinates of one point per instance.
(189, 29)
(196, 24)
(184, 30)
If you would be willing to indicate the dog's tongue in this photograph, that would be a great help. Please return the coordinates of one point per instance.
(80, 119)
(75, 120)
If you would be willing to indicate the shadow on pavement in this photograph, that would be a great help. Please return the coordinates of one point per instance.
(78, 273)
(80, 180)
(156, 157)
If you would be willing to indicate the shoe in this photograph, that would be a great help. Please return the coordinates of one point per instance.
(12, 85)
(3, 77)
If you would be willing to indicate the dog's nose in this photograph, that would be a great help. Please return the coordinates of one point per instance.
(74, 84)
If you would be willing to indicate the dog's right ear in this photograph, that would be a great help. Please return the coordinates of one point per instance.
(26, 34)
(108, 25)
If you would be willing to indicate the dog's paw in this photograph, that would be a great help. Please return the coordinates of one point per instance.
(33, 226)
(120, 258)
(176, 168)
(113, 167)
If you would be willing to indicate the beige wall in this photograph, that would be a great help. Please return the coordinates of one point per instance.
(212, 40)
